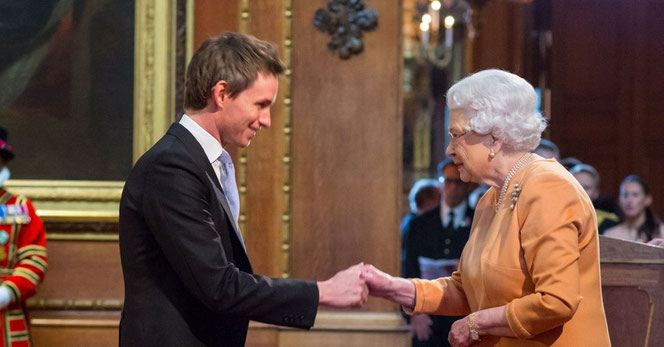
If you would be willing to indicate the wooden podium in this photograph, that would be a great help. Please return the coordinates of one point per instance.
(633, 290)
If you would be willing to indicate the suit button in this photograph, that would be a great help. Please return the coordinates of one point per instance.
(448, 241)
(446, 251)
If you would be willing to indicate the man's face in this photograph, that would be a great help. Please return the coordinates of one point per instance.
(454, 189)
(588, 183)
(243, 115)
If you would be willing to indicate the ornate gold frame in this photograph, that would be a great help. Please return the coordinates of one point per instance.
(154, 111)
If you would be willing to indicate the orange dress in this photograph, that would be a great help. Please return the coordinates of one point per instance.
(540, 259)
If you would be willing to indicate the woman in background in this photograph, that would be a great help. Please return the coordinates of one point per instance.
(639, 224)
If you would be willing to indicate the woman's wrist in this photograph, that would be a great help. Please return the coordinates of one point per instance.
(403, 292)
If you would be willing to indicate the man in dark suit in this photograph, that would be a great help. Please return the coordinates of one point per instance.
(433, 244)
(188, 280)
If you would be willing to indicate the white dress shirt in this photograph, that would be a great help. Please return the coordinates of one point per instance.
(459, 215)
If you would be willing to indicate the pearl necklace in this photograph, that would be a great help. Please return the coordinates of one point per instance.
(517, 166)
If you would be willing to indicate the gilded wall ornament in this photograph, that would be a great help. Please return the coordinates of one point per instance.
(345, 20)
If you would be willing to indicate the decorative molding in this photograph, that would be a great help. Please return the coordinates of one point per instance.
(81, 227)
(349, 321)
(75, 304)
(154, 71)
(243, 27)
(285, 238)
(75, 323)
(82, 237)
(53, 190)
(71, 200)
(345, 20)
(325, 321)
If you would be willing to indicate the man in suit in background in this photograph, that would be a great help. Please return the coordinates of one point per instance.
(188, 279)
(433, 245)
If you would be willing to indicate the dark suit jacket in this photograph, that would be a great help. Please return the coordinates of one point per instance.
(425, 236)
(188, 280)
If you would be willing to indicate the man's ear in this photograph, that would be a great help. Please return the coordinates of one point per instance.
(220, 93)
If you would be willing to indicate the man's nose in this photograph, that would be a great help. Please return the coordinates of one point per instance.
(265, 119)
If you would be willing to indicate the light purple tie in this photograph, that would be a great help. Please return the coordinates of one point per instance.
(229, 185)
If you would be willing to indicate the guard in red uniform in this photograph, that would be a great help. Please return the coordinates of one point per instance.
(22, 256)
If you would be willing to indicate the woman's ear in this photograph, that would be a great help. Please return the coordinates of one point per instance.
(495, 144)
(648, 201)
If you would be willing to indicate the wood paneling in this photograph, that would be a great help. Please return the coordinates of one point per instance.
(266, 172)
(606, 77)
(633, 292)
(83, 270)
(211, 17)
(502, 37)
(346, 147)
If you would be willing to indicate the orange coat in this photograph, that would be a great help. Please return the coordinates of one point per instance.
(540, 258)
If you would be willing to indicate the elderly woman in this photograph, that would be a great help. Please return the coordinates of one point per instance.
(529, 274)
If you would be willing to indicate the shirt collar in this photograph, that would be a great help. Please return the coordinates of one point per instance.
(210, 145)
(459, 211)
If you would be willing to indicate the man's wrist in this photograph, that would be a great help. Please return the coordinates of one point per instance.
(322, 292)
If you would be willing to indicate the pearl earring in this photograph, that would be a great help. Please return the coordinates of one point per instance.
(492, 154)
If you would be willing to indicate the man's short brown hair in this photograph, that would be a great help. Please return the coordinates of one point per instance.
(232, 57)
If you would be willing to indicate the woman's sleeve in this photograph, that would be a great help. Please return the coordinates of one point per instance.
(552, 217)
(443, 296)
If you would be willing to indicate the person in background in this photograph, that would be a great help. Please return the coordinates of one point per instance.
(529, 274)
(433, 243)
(23, 258)
(589, 179)
(639, 224)
(570, 162)
(547, 149)
(424, 195)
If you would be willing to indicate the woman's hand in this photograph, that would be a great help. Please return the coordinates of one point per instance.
(459, 335)
(396, 289)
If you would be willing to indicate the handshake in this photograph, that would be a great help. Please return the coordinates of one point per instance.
(352, 287)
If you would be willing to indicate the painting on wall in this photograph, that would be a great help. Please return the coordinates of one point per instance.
(67, 76)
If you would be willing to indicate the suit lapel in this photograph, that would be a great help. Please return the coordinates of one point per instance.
(203, 164)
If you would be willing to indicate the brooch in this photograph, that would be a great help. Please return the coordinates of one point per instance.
(515, 195)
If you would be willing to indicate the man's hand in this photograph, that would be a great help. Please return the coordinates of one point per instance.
(345, 289)
(420, 326)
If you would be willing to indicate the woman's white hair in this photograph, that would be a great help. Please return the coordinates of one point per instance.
(501, 104)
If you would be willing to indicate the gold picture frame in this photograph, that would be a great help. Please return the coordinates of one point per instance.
(155, 60)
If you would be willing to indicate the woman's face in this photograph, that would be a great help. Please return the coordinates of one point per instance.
(633, 200)
(469, 149)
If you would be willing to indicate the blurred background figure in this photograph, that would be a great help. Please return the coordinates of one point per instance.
(423, 196)
(570, 162)
(22, 256)
(433, 242)
(639, 224)
(547, 149)
(605, 207)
